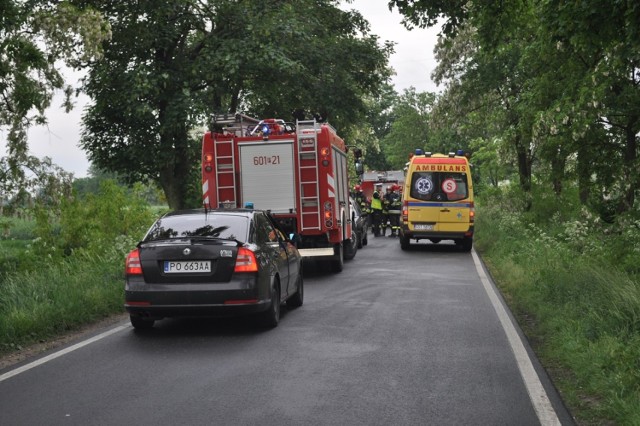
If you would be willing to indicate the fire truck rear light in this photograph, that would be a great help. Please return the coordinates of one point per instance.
(208, 168)
(208, 158)
(133, 266)
(324, 151)
(325, 163)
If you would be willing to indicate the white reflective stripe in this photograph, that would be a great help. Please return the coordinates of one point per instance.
(205, 187)
(332, 185)
(332, 182)
(206, 200)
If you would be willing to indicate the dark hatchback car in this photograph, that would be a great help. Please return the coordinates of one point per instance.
(359, 223)
(212, 263)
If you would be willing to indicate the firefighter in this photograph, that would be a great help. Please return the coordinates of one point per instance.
(361, 200)
(386, 202)
(376, 209)
(395, 208)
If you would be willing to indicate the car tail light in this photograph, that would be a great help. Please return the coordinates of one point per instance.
(246, 261)
(133, 265)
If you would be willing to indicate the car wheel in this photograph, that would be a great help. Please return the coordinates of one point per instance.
(337, 263)
(465, 244)
(360, 237)
(298, 298)
(140, 323)
(352, 247)
(271, 316)
(405, 242)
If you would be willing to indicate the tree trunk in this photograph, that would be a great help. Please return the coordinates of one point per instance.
(524, 165)
(175, 176)
(630, 172)
(557, 171)
(524, 170)
(584, 172)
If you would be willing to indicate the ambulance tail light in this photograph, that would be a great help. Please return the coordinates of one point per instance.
(405, 211)
(472, 213)
(328, 214)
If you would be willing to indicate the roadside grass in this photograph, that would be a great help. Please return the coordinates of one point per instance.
(69, 272)
(579, 309)
(56, 298)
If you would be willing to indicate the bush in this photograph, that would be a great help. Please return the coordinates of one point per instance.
(75, 265)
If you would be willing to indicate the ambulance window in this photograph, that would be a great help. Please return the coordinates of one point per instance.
(439, 186)
(422, 185)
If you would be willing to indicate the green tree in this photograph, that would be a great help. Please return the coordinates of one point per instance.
(410, 129)
(565, 80)
(35, 38)
(171, 64)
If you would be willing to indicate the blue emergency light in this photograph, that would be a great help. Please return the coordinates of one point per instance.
(248, 205)
(419, 151)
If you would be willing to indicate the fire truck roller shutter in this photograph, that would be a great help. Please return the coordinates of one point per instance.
(267, 178)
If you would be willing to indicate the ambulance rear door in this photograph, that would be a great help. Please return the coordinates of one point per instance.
(438, 202)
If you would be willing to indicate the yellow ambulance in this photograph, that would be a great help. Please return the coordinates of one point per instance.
(437, 200)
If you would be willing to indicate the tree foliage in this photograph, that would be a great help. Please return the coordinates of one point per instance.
(551, 84)
(36, 37)
(410, 128)
(169, 65)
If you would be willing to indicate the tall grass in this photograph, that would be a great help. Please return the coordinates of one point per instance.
(71, 272)
(580, 306)
(54, 298)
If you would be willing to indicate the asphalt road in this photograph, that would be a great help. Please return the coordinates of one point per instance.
(397, 338)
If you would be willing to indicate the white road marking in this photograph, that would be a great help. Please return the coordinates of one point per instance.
(541, 403)
(64, 351)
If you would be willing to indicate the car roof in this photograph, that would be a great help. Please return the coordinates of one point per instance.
(234, 212)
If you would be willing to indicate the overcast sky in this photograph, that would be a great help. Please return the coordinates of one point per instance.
(413, 62)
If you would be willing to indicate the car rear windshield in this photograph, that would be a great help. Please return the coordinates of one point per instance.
(225, 226)
(439, 186)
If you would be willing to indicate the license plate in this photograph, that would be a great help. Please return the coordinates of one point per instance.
(423, 227)
(184, 267)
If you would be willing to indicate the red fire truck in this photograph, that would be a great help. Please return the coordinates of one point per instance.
(297, 172)
(386, 178)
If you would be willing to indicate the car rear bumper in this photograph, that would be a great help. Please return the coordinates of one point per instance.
(241, 296)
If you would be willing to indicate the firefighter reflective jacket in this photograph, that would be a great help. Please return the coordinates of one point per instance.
(376, 201)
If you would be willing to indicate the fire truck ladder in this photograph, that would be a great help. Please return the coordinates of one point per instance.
(307, 135)
(225, 172)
